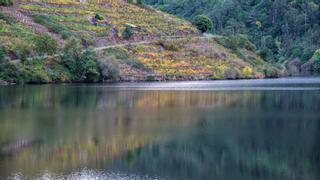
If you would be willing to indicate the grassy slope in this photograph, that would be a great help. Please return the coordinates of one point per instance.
(171, 59)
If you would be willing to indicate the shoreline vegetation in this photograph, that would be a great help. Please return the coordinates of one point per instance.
(65, 41)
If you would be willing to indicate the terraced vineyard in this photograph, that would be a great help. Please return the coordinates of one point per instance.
(193, 59)
(76, 16)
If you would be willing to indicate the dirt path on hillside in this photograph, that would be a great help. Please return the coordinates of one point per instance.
(167, 38)
(27, 21)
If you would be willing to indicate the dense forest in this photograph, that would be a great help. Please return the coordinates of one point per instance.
(281, 29)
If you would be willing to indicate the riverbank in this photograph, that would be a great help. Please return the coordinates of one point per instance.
(189, 58)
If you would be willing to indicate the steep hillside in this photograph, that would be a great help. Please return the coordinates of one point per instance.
(282, 30)
(111, 40)
(191, 59)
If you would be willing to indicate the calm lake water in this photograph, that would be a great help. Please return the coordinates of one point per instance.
(246, 129)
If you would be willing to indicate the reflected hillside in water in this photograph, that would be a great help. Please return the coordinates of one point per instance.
(170, 134)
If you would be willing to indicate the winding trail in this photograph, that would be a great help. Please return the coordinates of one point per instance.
(167, 38)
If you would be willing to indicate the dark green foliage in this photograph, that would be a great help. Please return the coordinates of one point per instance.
(203, 23)
(151, 78)
(236, 42)
(316, 65)
(6, 3)
(228, 42)
(33, 71)
(52, 25)
(22, 50)
(127, 33)
(307, 54)
(45, 44)
(10, 72)
(270, 72)
(83, 65)
(90, 66)
(266, 54)
(279, 29)
(3, 53)
(99, 17)
(140, 2)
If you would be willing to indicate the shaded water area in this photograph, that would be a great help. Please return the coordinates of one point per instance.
(246, 129)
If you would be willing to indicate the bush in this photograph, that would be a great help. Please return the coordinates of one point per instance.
(244, 42)
(229, 42)
(127, 33)
(231, 73)
(270, 72)
(82, 64)
(3, 53)
(307, 54)
(6, 3)
(266, 54)
(316, 65)
(99, 17)
(218, 73)
(33, 71)
(90, 66)
(203, 23)
(9, 72)
(45, 45)
(21, 49)
(151, 78)
(247, 72)
(109, 69)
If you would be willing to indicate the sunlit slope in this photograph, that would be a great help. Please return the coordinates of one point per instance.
(75, 17)
(197, 58)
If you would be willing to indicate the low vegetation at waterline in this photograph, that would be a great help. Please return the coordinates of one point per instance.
(180, 59)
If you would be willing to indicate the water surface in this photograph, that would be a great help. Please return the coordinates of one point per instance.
(247, 129)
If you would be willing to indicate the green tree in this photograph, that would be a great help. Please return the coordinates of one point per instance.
(99, 17)
(6, 3)
(45, 44)
(127, 33)
(316, 65)
(82, 64)
(203, 23)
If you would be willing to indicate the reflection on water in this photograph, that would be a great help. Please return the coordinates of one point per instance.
(114, 132)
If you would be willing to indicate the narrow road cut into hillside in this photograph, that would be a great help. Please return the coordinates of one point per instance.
(167, 38)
